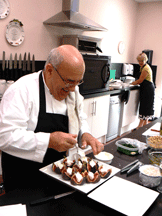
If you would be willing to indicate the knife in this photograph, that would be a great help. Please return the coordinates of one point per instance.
(33, 64)
(39, 201)
(20, 66)
(3, 66)
(15, 68)
(24, 65)
(7, 75)
(28, 64)
(10, 72)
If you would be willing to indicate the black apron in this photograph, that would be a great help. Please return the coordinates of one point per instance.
(18, 172)
(147, 94)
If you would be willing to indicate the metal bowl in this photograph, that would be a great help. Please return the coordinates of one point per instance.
(149, 175)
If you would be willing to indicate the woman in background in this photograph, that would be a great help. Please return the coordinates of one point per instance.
(147, 90)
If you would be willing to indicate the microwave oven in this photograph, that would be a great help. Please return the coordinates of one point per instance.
(97, 74)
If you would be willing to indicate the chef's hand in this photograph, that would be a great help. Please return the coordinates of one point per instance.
(88, 139)
(61, 141)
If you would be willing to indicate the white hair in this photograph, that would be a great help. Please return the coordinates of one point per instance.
(54, 57)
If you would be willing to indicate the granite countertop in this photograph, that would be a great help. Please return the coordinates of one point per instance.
(101, 92)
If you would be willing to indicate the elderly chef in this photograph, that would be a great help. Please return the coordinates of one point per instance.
(40, 117)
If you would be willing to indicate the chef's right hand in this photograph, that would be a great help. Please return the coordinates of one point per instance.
(61, 141)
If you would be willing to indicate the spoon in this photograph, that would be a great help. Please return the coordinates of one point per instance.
(76, 155)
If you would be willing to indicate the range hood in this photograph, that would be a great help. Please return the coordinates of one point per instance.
(71, 18)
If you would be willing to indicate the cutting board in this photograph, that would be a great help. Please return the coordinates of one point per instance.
(124, 196)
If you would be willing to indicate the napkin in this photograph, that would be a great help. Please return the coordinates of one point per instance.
(14, 210)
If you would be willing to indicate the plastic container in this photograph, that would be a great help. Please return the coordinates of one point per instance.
(126, 148)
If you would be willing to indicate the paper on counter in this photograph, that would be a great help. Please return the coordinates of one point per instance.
(14, 210)
(124, 196)
(153, 133)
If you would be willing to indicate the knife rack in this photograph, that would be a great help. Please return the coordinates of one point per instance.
(14, 73)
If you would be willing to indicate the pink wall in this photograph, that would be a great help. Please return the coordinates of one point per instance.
(118, 16)
(137, 24)
(148, 36)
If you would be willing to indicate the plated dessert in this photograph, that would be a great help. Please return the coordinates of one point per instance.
(87, 170)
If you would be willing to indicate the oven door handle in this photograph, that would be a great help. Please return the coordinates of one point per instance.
(105, 76)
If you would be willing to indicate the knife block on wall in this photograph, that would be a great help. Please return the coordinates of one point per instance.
(39, 65)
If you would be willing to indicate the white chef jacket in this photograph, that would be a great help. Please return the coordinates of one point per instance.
(19, 111)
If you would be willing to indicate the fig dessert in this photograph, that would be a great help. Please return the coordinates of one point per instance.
(93, 177)
(92, 166)
(67, 173)
(68, 162)
(78, 179)
(58, 167)
(104, 172)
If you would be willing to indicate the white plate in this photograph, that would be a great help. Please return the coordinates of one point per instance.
(124, 196)
(4, 8)
(87, 187)
(15, 33)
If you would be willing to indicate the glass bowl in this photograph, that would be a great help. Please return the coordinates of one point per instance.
(154, 142)
(155, 156)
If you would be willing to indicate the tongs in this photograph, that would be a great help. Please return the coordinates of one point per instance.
(131, 167)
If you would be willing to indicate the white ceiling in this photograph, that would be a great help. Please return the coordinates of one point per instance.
(147, 0)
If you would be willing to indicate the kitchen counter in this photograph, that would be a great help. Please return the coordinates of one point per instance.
(78, 203)
(98, 93)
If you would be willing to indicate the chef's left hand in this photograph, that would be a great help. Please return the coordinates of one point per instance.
(88, 139)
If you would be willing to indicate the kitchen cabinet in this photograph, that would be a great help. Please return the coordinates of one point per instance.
(97, 109)
(129, 112)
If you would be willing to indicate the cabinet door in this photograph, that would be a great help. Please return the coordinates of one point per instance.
(88, 109)
(130, 110)
(100, 117)
(97, 110)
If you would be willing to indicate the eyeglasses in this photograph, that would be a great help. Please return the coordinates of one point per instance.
(68, 84)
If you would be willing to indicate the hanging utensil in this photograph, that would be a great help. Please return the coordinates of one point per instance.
(10, 71)
(15, 68)
(28, 64)
(6, 70)
(20, 66)
(24, 65)
(33, 64)
(3, 66)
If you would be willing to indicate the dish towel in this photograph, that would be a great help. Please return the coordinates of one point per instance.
(74, 104)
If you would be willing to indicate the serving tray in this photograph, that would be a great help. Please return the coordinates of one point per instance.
(87, 187)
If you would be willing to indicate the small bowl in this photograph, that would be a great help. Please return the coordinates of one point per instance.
(155, 156)
(149, 175)
(105, 157)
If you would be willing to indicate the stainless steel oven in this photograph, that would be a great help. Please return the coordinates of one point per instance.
(97, 73)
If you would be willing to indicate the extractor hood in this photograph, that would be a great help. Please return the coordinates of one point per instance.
(71, 18)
